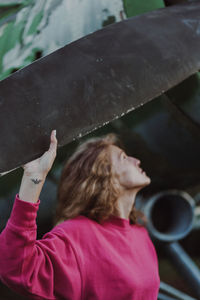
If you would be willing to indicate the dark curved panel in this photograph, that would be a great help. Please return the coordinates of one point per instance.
(96, 79)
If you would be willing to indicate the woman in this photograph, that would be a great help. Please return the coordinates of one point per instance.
(96, 249)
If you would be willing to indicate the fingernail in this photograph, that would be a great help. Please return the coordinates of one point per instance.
(54, 132)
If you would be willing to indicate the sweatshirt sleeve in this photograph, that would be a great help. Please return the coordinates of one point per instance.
(41, 269)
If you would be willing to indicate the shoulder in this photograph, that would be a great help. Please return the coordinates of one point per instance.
(77, 224)
(141, 229)
(142, 232)
(146, 238)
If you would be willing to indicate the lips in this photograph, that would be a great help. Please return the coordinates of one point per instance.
(141, 171)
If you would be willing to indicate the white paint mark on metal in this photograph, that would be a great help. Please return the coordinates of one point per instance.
(62, 23)
(193, 24)
(2, 29)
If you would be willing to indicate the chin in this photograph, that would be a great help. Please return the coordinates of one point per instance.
(142, 184)
(148, 178)
(147, 181)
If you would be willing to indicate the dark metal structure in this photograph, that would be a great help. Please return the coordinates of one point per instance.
(170, 217)
(96, 79)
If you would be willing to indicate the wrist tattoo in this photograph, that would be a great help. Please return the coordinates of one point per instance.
(36, 181)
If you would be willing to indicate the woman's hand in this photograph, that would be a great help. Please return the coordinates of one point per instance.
(43, 164)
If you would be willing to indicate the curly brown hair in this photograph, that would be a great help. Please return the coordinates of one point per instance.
(86, 186)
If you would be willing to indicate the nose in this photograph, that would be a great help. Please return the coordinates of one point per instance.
(137, 161)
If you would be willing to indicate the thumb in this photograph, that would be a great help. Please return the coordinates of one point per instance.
(53, 144)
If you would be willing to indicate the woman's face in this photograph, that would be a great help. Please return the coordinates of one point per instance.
(127, 170)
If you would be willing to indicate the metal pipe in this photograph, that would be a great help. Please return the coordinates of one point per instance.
(164, 287)
(165, 297)
(184, 265)
(196, 225)
(170, 215)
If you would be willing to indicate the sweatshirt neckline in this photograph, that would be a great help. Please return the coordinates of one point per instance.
(117, 222)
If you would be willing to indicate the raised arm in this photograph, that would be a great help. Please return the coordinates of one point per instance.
(35, 173)
(40, 269)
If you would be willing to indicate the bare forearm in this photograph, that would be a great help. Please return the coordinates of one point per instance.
(31, 187)
(35, 173)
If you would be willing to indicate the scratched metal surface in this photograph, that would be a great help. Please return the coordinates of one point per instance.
(96, 79)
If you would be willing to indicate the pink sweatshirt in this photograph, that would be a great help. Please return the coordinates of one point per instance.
(77, 259)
